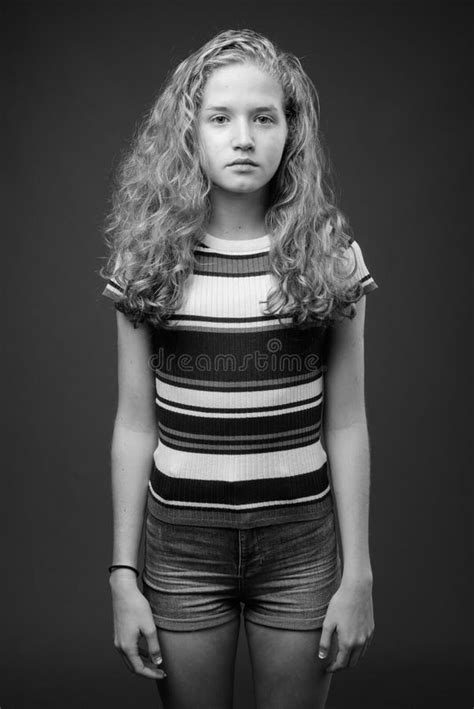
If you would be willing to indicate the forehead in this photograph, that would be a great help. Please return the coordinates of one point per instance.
(241, 83)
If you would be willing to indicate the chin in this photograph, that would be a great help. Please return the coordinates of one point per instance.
(249, 186)
(249, 190)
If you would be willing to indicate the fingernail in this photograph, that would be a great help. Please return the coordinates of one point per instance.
(321, 655)
(164, 674)
(157, 660)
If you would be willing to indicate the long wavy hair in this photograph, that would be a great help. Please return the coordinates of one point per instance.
(161, 201)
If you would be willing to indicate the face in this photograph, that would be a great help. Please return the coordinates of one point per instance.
(241, 118)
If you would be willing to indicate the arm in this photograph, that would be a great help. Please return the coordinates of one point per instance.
(347, 442)
(347, 446)
(134, 439)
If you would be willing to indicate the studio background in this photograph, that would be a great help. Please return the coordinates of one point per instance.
(394, 86)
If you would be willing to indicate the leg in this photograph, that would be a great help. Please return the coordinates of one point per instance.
(289, 583)
(200, 667)
(286, 670)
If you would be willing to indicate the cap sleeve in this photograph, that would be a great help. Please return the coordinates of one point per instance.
(361, 273)
(113, 290)
(115, 287)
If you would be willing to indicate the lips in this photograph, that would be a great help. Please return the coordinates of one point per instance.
(244, 162)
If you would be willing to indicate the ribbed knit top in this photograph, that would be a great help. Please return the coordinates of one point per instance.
(239, 397)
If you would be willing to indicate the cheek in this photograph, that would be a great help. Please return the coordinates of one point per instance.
(275, 153)
(208, 153)
(275, 145)
(211, 149)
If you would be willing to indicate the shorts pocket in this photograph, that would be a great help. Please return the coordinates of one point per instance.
(164, 539)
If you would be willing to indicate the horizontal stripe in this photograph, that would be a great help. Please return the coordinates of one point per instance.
(243, 447)
(239, 422)
(242, 518)
(233, 468)
(220, 396)
(255, 506)
(241, 493)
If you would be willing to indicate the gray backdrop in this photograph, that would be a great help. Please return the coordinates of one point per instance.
(393, 80)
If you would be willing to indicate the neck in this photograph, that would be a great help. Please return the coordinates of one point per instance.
(235, 216)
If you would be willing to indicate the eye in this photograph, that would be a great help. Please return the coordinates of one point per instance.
(267, 119)
(215, 118)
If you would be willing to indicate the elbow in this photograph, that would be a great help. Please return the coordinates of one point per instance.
(356, 422)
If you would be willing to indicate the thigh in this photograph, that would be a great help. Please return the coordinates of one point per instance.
(292, 574)
(199, 666)
(286, 670)
(190, 581)
(190, 575)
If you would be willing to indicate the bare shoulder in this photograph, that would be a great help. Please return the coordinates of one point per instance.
(344, 376)
(136, 381)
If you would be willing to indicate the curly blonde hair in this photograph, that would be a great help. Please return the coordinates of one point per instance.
(161, 203)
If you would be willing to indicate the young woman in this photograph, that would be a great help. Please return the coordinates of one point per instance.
(241, 434)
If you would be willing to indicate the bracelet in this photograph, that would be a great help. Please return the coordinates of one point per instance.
(123, 566)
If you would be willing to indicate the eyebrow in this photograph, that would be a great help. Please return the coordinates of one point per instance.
(269, 108)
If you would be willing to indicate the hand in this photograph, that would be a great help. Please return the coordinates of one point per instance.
(350, 613)
(132, 618)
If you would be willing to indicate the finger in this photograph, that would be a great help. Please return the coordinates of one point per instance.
(341, 660)
(325, 641)
(355, 655)
(151, 658)
(138, 666)
(147, 671)
(143, 652)
(154, 650)
(147, 661)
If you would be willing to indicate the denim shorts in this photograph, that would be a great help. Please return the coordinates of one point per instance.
(283, 575)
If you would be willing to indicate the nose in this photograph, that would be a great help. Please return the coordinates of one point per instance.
(242, 137)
